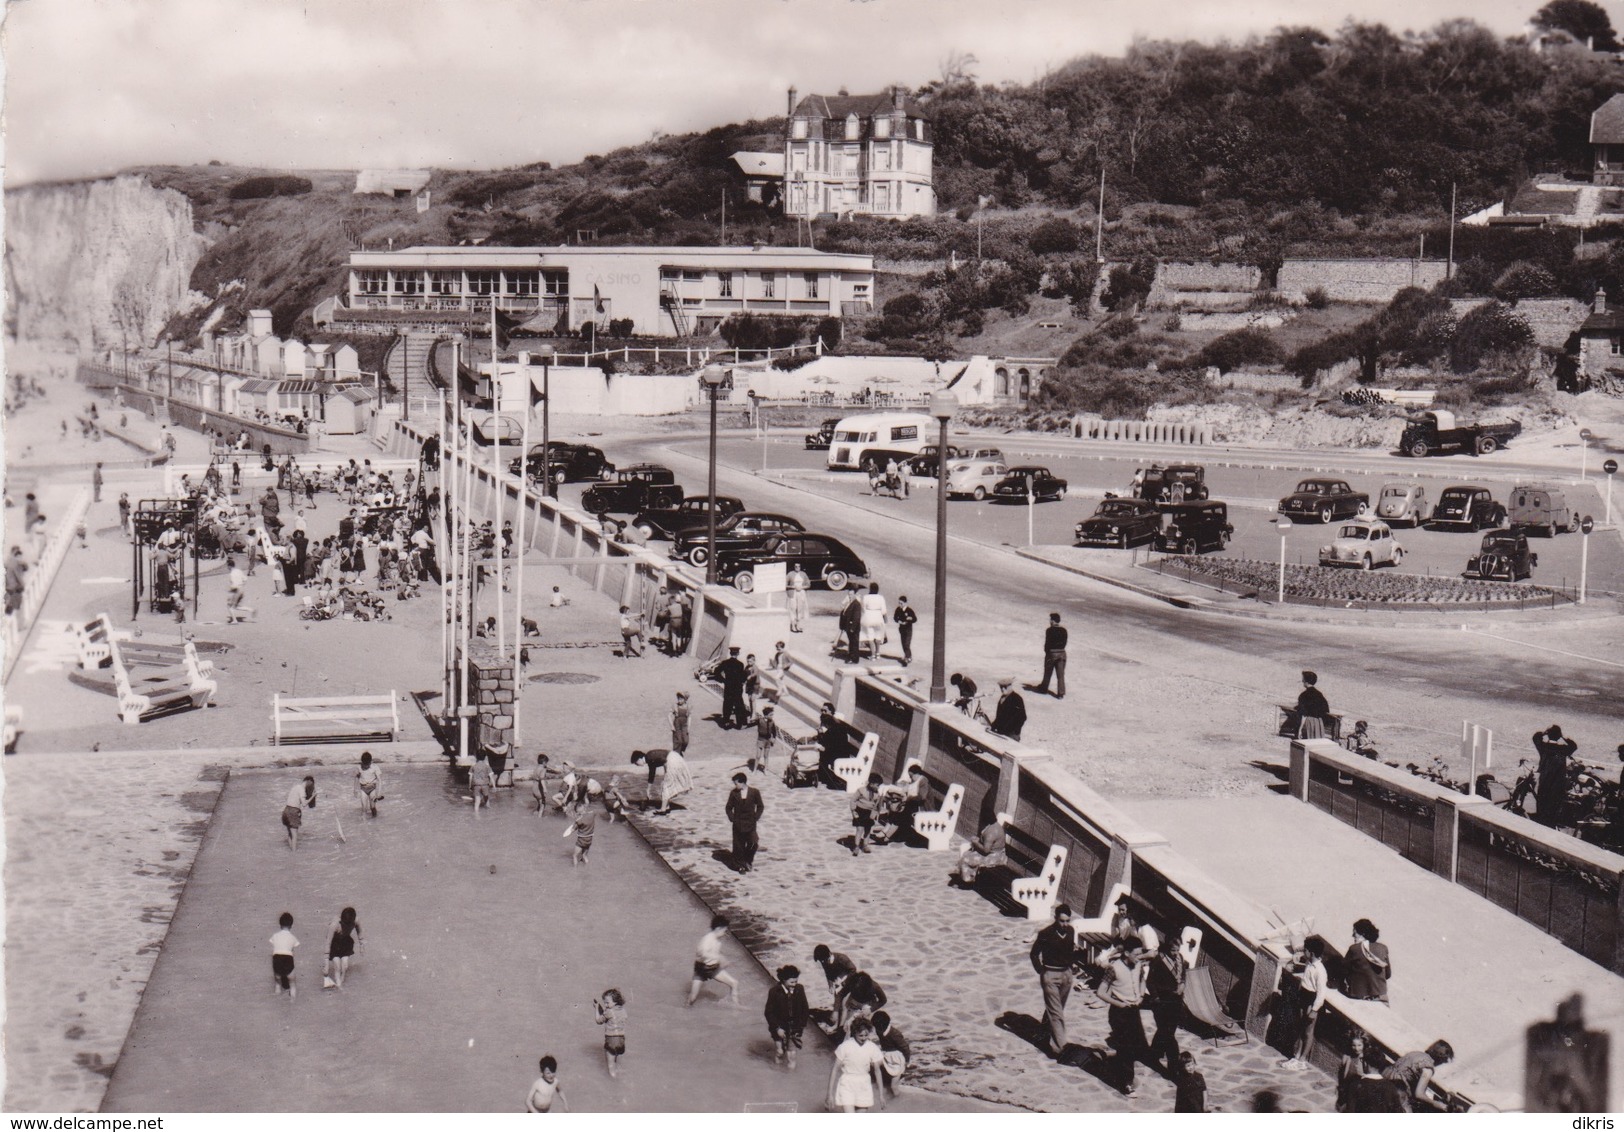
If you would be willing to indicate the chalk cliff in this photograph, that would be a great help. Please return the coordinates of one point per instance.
(97, 263)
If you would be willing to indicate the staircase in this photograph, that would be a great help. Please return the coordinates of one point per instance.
(408, 362)
(802, 692)
(672, 302)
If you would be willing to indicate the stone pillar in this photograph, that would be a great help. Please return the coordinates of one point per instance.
(490, 684)
(1299, 771)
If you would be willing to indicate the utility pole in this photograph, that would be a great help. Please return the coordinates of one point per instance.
(724, 215)
(1449, 270)
(1099, 221)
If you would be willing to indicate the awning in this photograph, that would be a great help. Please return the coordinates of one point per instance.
(257, 385)
(297, 385)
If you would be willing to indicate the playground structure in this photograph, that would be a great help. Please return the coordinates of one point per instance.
(164, 556)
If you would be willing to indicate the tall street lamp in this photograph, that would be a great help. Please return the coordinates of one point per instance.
(713, 377)
(548, 488)
(1285, 529)
(942, 405)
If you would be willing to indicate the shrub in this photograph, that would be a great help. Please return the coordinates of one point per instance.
(1173, 323)
(1248, 346)
(1055, 237)
(757, 332)
(1492, 328)
(1524, 281)
(1316, 298)
(256, 188)
(621, 327)
(1129, 284)
(830, 331)
(971, 324)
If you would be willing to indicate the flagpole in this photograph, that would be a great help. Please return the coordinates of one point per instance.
(439, 551)
(467, 602)
(518, 582)
(497, 487)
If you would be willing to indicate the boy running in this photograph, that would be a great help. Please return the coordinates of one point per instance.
(282, 945)
(708, 963)
(546, 1089)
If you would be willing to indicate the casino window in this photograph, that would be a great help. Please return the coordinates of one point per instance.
(556, 284)
(408, 283)
(371, 282)
(769, 284)
(481, 282)
(724, 284)
(811, 284)
(445, 282)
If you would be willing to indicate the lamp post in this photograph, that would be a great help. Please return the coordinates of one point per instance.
(1586, 525)
(713, 377)
(942, 405)
(1584, 454)
(1285, 529)
(547, 487)
(1611, 468)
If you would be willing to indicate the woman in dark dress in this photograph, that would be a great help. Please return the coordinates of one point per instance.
(345, 937)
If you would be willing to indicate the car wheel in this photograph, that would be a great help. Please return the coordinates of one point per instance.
(1550, 530)
(836, 580)
(698, 556)
(1419, 448)
(1189, 547)
(744, 582)
(1326, 514)
(558, 478)
(979, 493)
(1398, 555)
(1573, 523)
(1486, 444)
(1122, 541)
(1366, 564)
(645, 530)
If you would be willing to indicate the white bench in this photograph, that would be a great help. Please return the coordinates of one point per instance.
(335, 719)
(95, 641)
(136, 652)
(147, 694)
(1097, 929)
(855, 770)
(1040, 893)
(937, 826)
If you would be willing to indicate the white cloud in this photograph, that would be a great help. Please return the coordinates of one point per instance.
(95, 85)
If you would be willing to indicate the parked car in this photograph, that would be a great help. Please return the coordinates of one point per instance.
(566, 462)
(1403, 503)
(668, 522)
(1045, 484)
(1364, 543)
(820, 440)
(1540, 507)
(1176, 483)
(928, 461)
(1438, 431)
(1120, 523)
(1323, 499)
(975, 478)
(1502, 556)
(1469, 507)
(737, 531)
(634, 488)
(825, 559)
(1191, 528)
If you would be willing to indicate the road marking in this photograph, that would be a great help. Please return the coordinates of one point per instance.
(1542, 648)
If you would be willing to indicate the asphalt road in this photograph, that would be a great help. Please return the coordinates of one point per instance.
(1513, 674)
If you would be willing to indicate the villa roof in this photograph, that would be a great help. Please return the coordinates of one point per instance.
(1607, 123)
(862, 105)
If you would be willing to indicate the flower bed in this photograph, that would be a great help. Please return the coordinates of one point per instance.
(1356, 589)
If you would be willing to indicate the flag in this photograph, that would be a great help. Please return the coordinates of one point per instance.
(597, 299)
(983, 202)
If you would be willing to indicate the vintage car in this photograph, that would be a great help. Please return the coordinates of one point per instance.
(1468, 507)
(737, 531)
(1045, 484)
(1325, 500)
(975, 478)
(1402, 504)
(565, 462)
(1363, 543)
(1176, 483)
(691, 513)
(1191, 528)
(633, 489)
(824, 558)
(1541, 509)
(1502, 556)
(929, 461)
(820, 440)
(1120, 523)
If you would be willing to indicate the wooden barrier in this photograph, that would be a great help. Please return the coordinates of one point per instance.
(335, 719)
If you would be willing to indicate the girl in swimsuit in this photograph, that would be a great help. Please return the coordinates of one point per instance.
(345, 938)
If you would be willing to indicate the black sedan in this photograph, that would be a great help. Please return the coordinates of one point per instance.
(1467, 507)
(691, 514)
(1044, 483)
(1503, 556)
(1120, 523)
(820, 440)
(565, 462)
(738, 531)
(825, 559)
(1324, 500)
(634, 488)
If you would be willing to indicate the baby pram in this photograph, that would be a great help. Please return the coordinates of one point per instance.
(803, 764)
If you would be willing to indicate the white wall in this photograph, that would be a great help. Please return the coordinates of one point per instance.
(585, 390)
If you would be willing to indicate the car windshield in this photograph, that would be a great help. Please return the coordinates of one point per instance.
(1395, 492)
(1499, 542)
(1114, 508)
(1355, 532)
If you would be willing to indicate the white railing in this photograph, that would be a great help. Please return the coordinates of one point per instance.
(38, 585)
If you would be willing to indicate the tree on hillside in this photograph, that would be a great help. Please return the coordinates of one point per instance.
(1585, 21)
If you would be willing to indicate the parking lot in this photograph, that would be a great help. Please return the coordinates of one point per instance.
(1251, 493)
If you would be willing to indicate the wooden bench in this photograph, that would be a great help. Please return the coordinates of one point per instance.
(334, 719)
(136, 653)
(1040, 893)
(95, 642)
(1096, 930)
(854, 771)
(150, 694)
(937, 826)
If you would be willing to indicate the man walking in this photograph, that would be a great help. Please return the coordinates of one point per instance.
(1053, 953)
(744, 810)
(96, 481)
(1054, 657)
(1011, 715)
(733, 675)
(851, 625)
(1164, 991)
(904, 618)
(797, 583)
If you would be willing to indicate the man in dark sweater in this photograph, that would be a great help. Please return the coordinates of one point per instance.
(731, 672)
(851, 625)
(1053, 954)
(787, 1014)
(1551, 796)
(1054, 657)
(744, 809)
(1011, 715)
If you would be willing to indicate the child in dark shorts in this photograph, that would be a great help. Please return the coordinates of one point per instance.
(282, 945)
(585, 827)
(611, 1011)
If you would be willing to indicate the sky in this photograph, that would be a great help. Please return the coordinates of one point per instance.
(94, 86)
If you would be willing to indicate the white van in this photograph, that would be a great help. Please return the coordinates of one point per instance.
(871, 440)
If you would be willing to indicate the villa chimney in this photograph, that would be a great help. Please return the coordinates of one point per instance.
(790, 113)
(898, 98)
(1600, 306)
(844, 93)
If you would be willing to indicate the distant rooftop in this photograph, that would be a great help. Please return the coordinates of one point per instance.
(1607, 123)
(862, 105)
